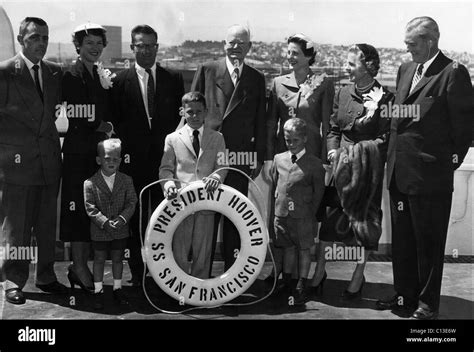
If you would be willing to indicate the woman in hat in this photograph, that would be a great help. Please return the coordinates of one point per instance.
(356, 117)
(301, 93)
(85, 96)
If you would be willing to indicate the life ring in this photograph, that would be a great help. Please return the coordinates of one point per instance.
(249, 261)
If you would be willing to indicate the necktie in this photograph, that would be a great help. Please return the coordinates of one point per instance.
(293, 158)
(416, 77)
(196, 142)
(37, 82)
(150, 93)
(235, 76)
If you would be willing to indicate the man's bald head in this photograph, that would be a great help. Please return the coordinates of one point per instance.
(237, 43)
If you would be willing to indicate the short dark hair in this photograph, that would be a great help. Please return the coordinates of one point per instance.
(368, 56)
(144, 29)
(308, 52)
(78, 37)
(297, 125)
(194, 97)
(36, 20)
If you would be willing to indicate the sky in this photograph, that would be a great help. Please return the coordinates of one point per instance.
(380, 23)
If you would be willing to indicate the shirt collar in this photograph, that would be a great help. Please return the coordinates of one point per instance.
(191, 130)
(231, 67)
(28, 63)
(111, 177)
(427, 64)
(141, 71)
(300, 154)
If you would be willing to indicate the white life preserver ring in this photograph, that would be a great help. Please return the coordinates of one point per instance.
(249, 261)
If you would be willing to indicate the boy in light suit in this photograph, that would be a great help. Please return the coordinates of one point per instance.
(192, 153)
(110, 200)
(299, 179)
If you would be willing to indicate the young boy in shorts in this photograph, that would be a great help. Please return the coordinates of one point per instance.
(110, 201)
(299, 179)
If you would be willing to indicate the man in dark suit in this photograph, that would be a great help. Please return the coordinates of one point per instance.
(30, 160)
(423, 153)
(146, 102)
(235, 97)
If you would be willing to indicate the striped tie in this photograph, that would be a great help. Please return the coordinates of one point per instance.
(416, 77)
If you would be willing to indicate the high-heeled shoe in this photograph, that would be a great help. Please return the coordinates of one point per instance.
(352, 295)
(319, 289)
(74, 280)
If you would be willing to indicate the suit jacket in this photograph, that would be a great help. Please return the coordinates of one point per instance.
(101, 204)
(349, 125)
(315, 111)
(29, 142)
(80, 88)
(239, 114)
(142, 146)
(299, 186)
(180, 161)
(420, 153)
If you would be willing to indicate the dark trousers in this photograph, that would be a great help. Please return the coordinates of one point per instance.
(135, 261)
(419, 230)
(231, 237)
(27, 211)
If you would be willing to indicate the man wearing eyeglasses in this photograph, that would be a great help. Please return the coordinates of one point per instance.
(146, 99)
(235, 97)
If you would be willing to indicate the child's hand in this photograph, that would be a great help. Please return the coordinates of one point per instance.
(331, 155)
(109, 226)
(211, 184)
(171, 192)
(118, 222)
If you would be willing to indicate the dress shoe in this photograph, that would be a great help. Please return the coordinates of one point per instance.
(397, 302)
(134, 282)
(301, 296)
(119, 297)
(99, 300)
(53, 287)
(15, 296)
(353, 295)
(424, 314)
(74, 280)
(319, 288)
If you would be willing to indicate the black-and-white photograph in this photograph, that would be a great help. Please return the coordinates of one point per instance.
(236, 160)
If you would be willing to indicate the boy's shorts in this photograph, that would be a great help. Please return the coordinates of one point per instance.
(120, 244)
(291, 232)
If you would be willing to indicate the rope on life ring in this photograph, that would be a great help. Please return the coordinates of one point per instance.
(157, 250)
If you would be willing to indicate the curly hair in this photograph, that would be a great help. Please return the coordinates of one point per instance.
(368, 56)
(78, 37)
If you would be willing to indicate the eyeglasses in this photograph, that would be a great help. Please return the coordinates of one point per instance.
(238, 43)
(143, 47)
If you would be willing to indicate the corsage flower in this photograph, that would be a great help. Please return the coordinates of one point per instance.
(105, 76)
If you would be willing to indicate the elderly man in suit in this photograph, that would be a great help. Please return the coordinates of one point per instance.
(30, 159)
(423, 153)
(146, 101)
(235, 96)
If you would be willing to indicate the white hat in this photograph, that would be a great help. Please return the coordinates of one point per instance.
(87, 26)
(309, 42)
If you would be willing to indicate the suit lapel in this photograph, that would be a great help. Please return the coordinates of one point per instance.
(184, 136)
(434, 69)
(406, 82)
(27, 90)
(239, 92)
(136, 94)
(223, 80)
(118, 184)
(48, 93)
(101, 183)
(290, 82)
(205, 139)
